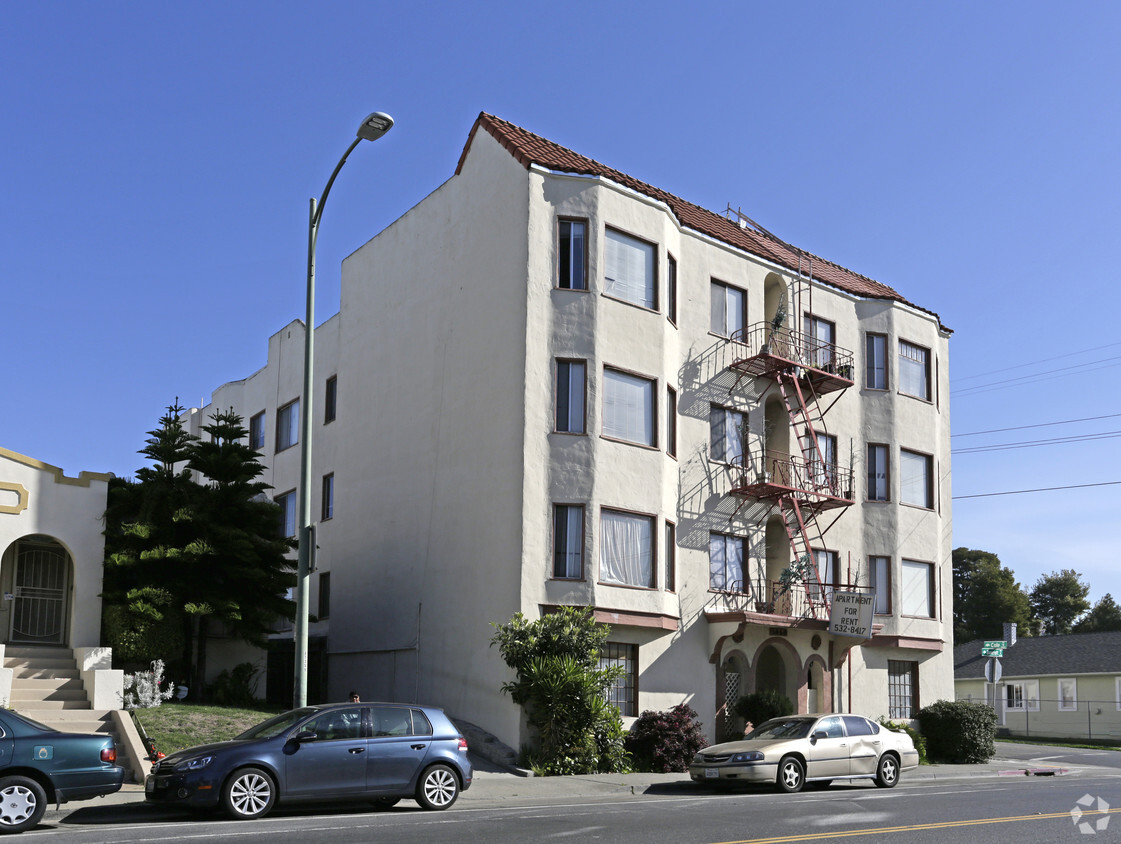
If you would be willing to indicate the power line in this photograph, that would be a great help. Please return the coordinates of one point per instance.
(1039, 376)
(1034, 362)
(1038, 425)
(1041, 489)
(1080, 438)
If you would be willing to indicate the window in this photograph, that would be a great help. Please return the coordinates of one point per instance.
(287, 503)
(570, 396)
(917, 589)
(1068, 695)
(726, 434)
(725, 563)
(875, 361)
(881, 581)
(629, 274)
(916, 473)
(288, 425)
(877, 472)
(729, 309)
(624, 694)
(330, 399)
(671, 289)
(671, 557)
(671, 421)
(628, 407)
(257, 431)
(1022, 696)
(825, 466)
(336, 725)
(914, 370)
(626, 546)
(902, 688)
(1118, 684)
(328, 510)
(820, 341)
(324, 595)
(572, 255)
(828, 565)
(568, 541)
(857, 726)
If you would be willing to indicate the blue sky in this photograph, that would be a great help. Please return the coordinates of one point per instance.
(158, 160)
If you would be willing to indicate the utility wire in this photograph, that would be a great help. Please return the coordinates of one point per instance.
(1041, 489)
(979, 449)
(1034, 362)
(1038, 425)
(1039, 376)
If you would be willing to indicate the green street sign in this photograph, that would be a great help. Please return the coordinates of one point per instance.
(992, 651)
(998, 643)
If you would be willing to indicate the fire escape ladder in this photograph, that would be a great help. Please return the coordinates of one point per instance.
(799, 535)
(801, 417)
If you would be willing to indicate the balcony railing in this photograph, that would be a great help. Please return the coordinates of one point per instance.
(774, 473)
(805, 600)
(761, 350)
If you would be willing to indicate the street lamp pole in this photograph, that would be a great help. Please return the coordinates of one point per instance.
(372, 128)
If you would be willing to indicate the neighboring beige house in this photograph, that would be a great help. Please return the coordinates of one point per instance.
(551, 384)
(1050, 686)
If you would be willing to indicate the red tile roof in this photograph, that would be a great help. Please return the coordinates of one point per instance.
(528, 148)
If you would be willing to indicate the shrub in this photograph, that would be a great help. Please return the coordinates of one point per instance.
(142, 689)
(762, 706)
(235, 688)
(917, 738)
(958, 731)
(666, 742)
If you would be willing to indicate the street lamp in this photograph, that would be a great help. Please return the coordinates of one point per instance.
(372, 128)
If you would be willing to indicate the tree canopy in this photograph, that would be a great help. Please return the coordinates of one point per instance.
(1058, 599)
(1104, 617)
(986, 595)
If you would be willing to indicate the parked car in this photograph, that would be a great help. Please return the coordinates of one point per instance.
(40, 765)
(380, 752)
(816, 749)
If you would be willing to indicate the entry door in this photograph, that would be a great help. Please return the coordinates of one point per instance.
(39, 594)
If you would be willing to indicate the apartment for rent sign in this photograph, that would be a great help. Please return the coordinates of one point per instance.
(851, 614)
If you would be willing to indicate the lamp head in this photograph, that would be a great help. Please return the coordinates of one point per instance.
(374, 126)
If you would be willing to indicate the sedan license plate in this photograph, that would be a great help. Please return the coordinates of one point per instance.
(712, 773)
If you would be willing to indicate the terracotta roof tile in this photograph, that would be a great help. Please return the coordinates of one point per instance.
(528, 148)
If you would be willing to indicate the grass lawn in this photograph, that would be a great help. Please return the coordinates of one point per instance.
(175, 726)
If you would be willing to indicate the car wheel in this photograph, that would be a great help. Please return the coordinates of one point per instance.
(249, 793)
(819, 785)
(887, 772)
(791, 774)
(438, 788)
(22, 804)
(383, 803)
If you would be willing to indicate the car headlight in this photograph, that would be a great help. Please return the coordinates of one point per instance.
(750, 756)
(196, 764)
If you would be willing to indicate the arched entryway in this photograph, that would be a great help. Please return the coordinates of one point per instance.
(35, 576)
(771, 673)
(735, 684)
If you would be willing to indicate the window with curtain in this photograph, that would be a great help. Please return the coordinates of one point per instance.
(917, 592)
(288, 425)
(729, 309)
(287, 503)
(671, 557)
(671, 289)
(820, 340)
(257, 431)
(628, 407)
(875, 361)
(1068, 694)
(568, 541)
(915, 479)
(726, 434)
(725, 562)
(572, 255)
(1022, 696)
(570, 396)
(626, 546)
(902, 688)
(629, 270)
(914, 370)
(881, 582)
(824, 466)
(877, 472)
(828, 565)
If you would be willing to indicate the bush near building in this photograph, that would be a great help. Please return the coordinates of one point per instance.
(665, 742)
(958, 731)
(758, 707)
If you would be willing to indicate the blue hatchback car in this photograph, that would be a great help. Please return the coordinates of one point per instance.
(381, 752)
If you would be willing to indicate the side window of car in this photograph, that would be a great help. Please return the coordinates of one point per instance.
(831, 727)
(857, 726)
(391, 721)
(337, 724)
(421, 725)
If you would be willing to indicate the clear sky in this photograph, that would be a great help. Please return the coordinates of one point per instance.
(157, 161)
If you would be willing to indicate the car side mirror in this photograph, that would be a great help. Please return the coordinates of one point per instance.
(819, 734)
(305, 735)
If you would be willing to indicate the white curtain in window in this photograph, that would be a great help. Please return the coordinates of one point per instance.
(628, 407)
(626, 546)
(726, 434)
(630, 269)
(725, 562)
(915, 584)
(914, 485)
(912, 370)
(881, 582)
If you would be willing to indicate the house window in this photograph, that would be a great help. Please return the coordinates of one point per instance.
(725, 563)
(1022, 696)
(916, 473)
(624, 694)
(824, 468)
(572, 255)
(902, 688)
(257, 431)
(820, 341)
(1068, 694)
(671, 289)
(671, 557)
(628, 407)
(726, 434)
(1117, 682)
(568, 541)
(917, 589)
(626, 545)
(287, 503)
(288, 425)
(629, 273)
(914, 370)
(828, 565)
(729, 310)
(324, 595)
(671, 421)
(570, 396)
(877, 472)
(330, 399)
(875, 363)
(328, 510)
(881, 582)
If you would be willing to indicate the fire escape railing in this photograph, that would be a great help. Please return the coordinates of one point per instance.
(795, 347)
(791, 472)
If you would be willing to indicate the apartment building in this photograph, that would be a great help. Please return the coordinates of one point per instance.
(550, 384)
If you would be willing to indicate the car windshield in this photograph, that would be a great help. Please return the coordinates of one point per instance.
(783, 728)
(277, 725)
